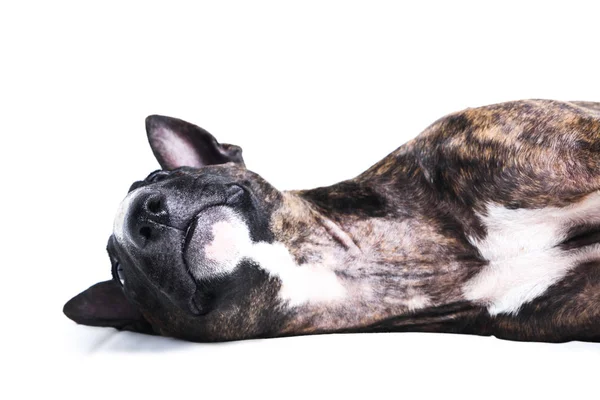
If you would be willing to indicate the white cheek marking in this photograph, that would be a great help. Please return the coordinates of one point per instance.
(231, 242)
(223, 248)
(523, 260)
(300, 284)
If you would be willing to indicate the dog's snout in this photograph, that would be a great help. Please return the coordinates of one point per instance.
(152, 214)
(147, 214)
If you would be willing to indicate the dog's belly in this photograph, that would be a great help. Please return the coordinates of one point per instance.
(529, 250)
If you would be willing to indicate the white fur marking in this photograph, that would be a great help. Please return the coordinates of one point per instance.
(523, 260)
(300, 284)
(417, 302)
(222, 248)
(230, 242)
(307, 283)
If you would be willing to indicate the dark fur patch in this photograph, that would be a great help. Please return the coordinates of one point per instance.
(348, 197)
(581, 236)
(456, 317)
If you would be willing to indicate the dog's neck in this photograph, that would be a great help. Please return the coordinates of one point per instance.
(374, 267)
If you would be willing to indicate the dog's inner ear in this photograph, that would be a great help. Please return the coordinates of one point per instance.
(177, 143)
(104, 304)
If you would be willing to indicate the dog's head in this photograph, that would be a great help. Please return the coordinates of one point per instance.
(182, 245)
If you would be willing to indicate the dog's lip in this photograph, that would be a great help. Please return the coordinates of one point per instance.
(188, 238)
(233, 194)
(191, 228)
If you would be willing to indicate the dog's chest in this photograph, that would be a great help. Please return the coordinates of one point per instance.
(400, 266)
(407, 265)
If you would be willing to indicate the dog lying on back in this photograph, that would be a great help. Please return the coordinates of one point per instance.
(486, 223)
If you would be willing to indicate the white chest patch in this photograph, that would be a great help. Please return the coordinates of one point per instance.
(306, 283)
(523, 258)
(300, 284)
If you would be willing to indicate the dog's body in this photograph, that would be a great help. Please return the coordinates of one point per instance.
(487, 223)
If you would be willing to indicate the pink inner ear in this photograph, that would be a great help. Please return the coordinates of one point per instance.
(175, 149)
(177, 143)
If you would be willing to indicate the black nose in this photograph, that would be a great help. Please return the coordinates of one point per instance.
(147, 214)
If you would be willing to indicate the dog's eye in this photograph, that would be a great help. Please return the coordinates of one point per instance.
(154, 177)
(157, 176)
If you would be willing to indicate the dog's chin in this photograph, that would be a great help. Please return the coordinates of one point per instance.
(215, 242)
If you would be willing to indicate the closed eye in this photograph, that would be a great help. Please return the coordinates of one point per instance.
(154, 177)
(157, 176)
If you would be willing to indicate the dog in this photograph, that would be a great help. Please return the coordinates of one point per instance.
(487, 223)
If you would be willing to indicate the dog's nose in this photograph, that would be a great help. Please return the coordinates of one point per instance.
(147, 216)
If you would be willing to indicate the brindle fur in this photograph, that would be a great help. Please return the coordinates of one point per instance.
(399, 236)
(411, 213)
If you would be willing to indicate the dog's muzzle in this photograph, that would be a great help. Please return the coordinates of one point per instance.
(146, 214)
(147, 217)
(161, 233)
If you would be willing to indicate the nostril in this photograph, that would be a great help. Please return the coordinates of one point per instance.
(145, 232)
(154, 205)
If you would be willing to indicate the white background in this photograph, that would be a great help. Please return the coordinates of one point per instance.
(315, 92)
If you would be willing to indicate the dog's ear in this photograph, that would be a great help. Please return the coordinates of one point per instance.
(177, 143)
(104, 304)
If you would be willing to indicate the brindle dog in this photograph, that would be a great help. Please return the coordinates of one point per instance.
(486, 223)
